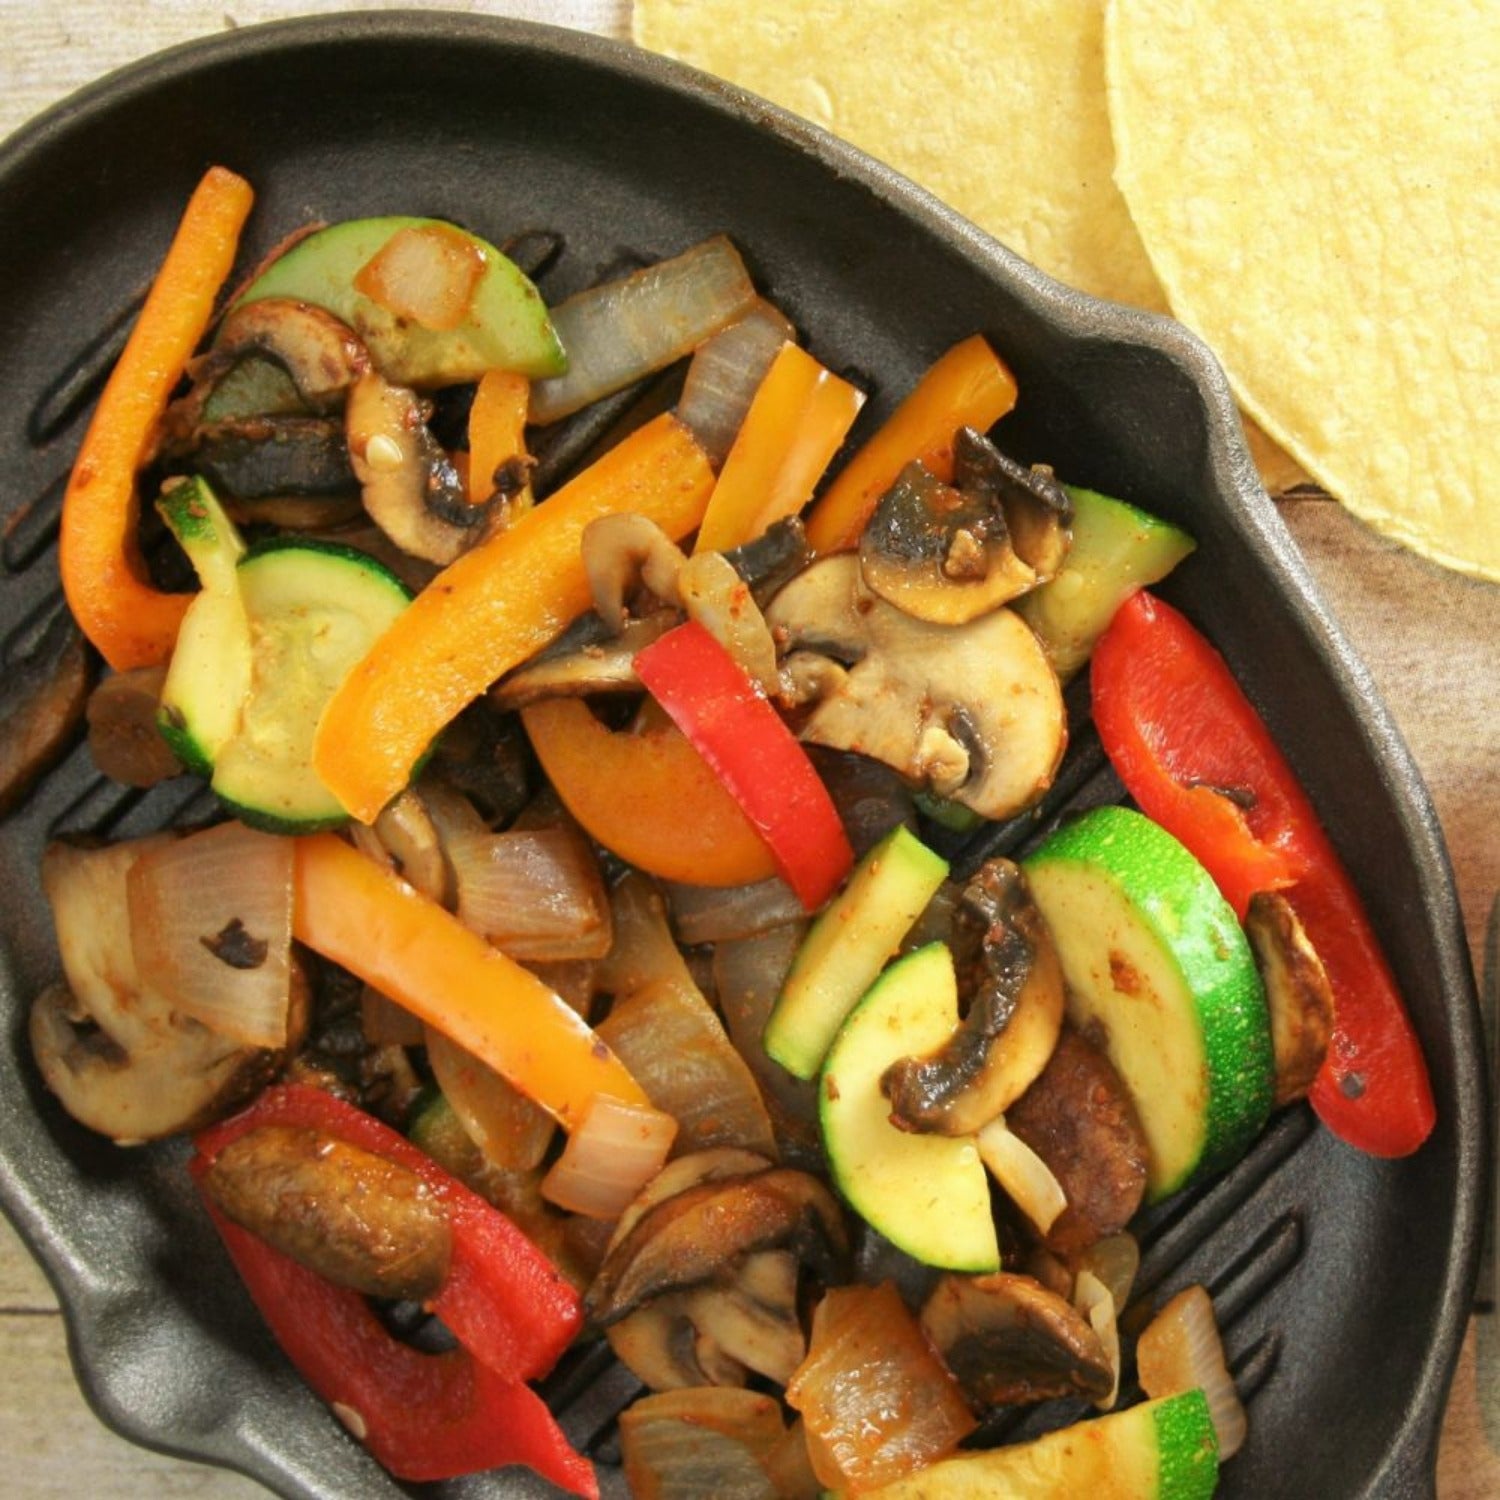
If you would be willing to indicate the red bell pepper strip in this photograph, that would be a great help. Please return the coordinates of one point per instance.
(423, 1416)
(741, 736)
(1192, 751)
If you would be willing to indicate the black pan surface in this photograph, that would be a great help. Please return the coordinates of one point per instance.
(1343, 1282)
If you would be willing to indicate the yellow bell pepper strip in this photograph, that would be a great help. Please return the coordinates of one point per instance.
(799, 416)
(969, 386)
(129, 620)
(497, 435)
(491, 609)
(738, 732)
(646, 795)
(367, 919)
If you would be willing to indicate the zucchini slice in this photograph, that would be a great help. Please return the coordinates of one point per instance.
(1115, 550)
(1159, 969)
(1158, 1450)
(928, 1194)
(209, 676)
(848, 945)
(505, 324)
(315, 610)
(263, 647)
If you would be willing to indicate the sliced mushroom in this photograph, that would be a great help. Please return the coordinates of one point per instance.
(255, 458)
(692, 1237)
(940, 553)
(700, 1281)
(356, 1218)
(1079, 1118)
(1038, 509)
(124, 740)
(971, 712)
(1298, 993)
(120, 1059)
(752, 1319)
(406, 838)
(41, 706)
(275, 357)
(659, 1341)
(1009, 1341)
(605, 667)
(592, 656)
(322, 355)
(411, 489)
(1011, 993)
(623, 554)
(660, 1344)
(771, 560)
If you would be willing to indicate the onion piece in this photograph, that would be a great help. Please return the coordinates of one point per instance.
(1096, 1302)
(619, 332)
(511, 1130)
(211, 929)
(720, 600)
(748, 975)
(725, 373)
(722, 914)
(1115, 1260)
(424, 274)
(614, 1151)
(670, 1037)
(877, 1402)
(701, 1440)
(535, 893)
(1025, 1177)
(1180, 1349)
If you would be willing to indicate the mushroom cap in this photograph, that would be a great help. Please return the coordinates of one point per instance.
(1010, 1341)
(1012, 995)
(120, 1059)
(971, 712)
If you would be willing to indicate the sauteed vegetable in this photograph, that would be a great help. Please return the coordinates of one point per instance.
(604, 939)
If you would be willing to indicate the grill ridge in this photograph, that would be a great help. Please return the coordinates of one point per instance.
(70, 390)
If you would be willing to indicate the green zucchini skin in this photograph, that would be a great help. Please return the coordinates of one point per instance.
(263, 647)
(847, 946)
(1157, 1450)
(926, 1193)
(1157, 963)
(1116, 549)
(507, 326)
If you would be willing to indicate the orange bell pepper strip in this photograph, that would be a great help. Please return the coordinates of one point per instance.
(366, 918)
(130, 620)
(647, 795)
(490, 610)
(497, 434)
(969, 386)
(800, 415)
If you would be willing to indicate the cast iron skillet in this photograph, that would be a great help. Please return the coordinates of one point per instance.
(1343, 1282)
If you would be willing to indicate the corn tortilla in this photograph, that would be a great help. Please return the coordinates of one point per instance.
(995, 106)
(1316, 186)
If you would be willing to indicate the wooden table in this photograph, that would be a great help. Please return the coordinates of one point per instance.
(1431, 640)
